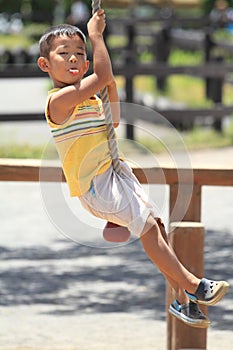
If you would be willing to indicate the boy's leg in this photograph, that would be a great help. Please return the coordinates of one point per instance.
(202, 291)
(164, 258)
(181, 296)
(182, 308)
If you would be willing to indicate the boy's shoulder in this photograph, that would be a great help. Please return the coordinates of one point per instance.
(90, 108)
(93, 100)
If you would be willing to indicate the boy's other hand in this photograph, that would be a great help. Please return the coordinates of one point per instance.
(97, 24)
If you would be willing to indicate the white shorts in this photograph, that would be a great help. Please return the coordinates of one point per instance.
(119, 199)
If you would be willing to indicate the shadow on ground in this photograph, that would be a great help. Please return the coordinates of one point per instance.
(71, 278)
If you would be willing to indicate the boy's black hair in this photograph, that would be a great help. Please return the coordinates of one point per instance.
(56, 31)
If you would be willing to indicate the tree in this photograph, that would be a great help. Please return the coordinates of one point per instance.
(10, 6)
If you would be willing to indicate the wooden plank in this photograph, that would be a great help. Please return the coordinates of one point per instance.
(173, 3)
(189, 115)
(9, 117)
(211, 177)
(214, 70)
(21, 71)
(30, 170)
(185, 114)
(214, 177)
(217, 112)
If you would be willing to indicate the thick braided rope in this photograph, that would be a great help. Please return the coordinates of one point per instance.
(112, 143)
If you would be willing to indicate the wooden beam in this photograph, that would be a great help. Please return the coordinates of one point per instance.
(161, 3)
(211, 69)
(10, 117)
(30, 170)
(37, 170)
(210, 177)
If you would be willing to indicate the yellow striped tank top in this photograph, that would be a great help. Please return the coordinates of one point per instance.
(81, 142)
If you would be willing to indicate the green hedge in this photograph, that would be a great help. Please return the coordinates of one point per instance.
(208, 5)
(36, 10)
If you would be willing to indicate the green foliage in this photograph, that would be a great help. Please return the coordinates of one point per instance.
(34, 31)
(207, 138)
(229, 131)
(36, 10)
(14, 40)
(27, 151)
(198, 138)
(208, 5)
(189, 58)
(10, 6)
(20, 151)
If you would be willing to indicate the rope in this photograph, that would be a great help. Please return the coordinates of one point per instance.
(112, 143)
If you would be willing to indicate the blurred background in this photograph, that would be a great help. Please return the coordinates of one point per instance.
(173, 56)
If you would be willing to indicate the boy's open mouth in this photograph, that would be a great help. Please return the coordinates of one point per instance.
(74, 71)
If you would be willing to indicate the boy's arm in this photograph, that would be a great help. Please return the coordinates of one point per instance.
(63, 101)
(114, 102)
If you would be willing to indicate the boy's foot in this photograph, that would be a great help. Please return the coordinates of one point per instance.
(209, 292)
(189, 314)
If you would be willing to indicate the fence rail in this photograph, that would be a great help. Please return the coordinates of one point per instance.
(29, 170)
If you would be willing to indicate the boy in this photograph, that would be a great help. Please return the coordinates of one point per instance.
(76, 118)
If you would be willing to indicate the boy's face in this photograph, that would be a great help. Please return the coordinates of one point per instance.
(67, 62)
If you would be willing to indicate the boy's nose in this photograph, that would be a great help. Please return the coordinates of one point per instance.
(73, 58)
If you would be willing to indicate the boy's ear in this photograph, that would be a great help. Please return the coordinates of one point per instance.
(43, 64)
(87, 65)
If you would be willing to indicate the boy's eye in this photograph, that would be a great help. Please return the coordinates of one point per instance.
(66, 53)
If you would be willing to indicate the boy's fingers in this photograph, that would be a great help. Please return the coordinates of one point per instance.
(101, 16)
(99, 12)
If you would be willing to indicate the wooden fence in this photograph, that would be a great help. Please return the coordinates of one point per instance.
(176, 3)
(179, 180)
(214, 70)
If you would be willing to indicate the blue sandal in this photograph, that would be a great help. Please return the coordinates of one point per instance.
(209, 292)
(190, 314)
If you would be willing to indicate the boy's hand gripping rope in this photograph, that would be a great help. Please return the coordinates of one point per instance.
(112, 143)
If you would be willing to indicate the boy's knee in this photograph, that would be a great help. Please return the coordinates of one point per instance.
(160, 222)
(154, 224)
(150, 225)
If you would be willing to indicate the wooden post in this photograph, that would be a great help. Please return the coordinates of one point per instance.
(129, 88)
(186, 207)
(190, 205)
(187, 239)
(162, 52)
(208, 45)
